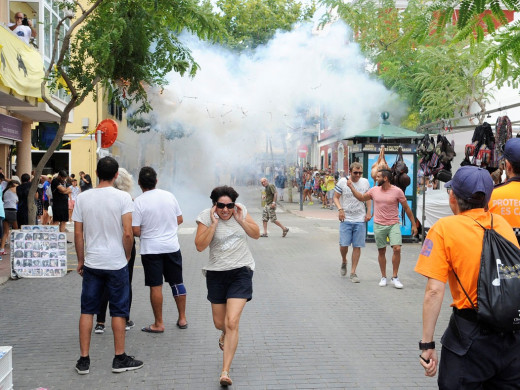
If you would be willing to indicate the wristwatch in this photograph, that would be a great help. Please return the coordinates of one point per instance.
(340, 210)
(426, 346)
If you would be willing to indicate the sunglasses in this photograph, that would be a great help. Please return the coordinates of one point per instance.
(357, 173)
(228, 205)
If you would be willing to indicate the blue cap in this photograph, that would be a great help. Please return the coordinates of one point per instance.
(468, 180)
(512, 150)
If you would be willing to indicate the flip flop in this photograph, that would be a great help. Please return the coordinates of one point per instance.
(147, 329)
(185, 326)
(263, 235)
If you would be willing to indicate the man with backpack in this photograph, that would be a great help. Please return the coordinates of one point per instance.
(505, 197)
(474, 354)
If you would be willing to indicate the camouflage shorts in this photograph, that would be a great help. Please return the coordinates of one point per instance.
(269, 213)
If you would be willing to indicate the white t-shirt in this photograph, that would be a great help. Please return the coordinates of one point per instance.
(23, 32)
(156, 212)
(101, 211)
(355, 210)
(228, 249)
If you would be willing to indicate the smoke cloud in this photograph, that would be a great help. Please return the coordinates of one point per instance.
(219, 124)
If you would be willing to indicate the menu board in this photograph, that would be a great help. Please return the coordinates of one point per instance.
(39, 251)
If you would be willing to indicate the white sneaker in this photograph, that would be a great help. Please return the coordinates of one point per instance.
(382, 283)
(397, 283)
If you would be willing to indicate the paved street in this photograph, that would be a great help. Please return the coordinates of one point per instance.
(306, 327)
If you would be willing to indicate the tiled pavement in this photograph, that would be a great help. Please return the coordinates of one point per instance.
(306, 327)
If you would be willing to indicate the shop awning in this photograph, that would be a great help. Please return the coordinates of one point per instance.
(389, 132)
(21, 66)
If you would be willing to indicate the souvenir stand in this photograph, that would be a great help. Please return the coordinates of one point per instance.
(365, 150)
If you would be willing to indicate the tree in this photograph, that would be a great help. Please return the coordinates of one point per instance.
(254, 22)
(478, 21)
(433, 73)
(123, 45)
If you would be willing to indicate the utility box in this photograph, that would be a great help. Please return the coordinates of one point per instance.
(6, 368)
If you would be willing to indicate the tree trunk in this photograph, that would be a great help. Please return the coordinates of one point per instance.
(52, 148)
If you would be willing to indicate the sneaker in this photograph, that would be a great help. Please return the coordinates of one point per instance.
(83, 365)
(382, 283)
(126, 363)
(99, 329)
(396, 282)
(310, 203)
(343, 269)
(129, 325)
(354, 278)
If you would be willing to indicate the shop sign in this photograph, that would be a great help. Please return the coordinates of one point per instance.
(10, 127)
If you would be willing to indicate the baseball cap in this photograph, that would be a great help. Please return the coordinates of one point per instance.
(469, 180)
(512, 150)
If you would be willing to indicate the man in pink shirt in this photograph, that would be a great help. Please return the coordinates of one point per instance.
(386, 198)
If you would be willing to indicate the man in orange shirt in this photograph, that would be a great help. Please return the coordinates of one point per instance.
(505, 199)
(474, 356)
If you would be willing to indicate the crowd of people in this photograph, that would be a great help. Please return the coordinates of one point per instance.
(54, 200)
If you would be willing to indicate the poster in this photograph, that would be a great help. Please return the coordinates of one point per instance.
(39, 251)
(406, 226)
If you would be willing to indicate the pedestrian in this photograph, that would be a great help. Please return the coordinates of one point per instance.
(330, 183)
(505, 197)
(474, 355)
(46, 218)
(123, 182)
(280, 184)
(60, 200)
(22, 213)
(10, 204)
(85, 182)
(22, 27)
(229, 273)
(156, 219)
(386, 198)
(75, 191)
(103, 261)
(353, 216)
(269, 212)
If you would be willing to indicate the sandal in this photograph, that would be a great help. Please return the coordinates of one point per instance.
(285, 232)
(225, 380)
(263, 235)
(221, 341)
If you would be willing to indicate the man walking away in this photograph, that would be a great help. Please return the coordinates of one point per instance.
(353, 215)
(103, 238)
(474, 355)
(505, 197)
(387, 198)
(156, 219)
(269, 212)
(60, 200)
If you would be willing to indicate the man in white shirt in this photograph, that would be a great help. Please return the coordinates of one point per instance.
(103, 239)
(22, 27)
(353, 216)
(156, 218)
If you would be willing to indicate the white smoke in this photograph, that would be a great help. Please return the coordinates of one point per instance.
(237, 103)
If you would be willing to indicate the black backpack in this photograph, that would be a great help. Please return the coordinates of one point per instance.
(498, 290)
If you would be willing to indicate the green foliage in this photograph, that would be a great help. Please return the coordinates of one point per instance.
(250, 23)
(414, 53)
(128, 45)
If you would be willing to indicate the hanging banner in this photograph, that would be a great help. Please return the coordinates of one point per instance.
(21, 66)
(39, 251)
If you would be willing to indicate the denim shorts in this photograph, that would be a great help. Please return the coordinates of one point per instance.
(235, 283)
(116, 283)
(352, 233)
(158, 265)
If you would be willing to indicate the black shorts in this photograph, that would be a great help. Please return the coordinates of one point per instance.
(158, 265)
(60, 214)
(235, 283)
(46, 205)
